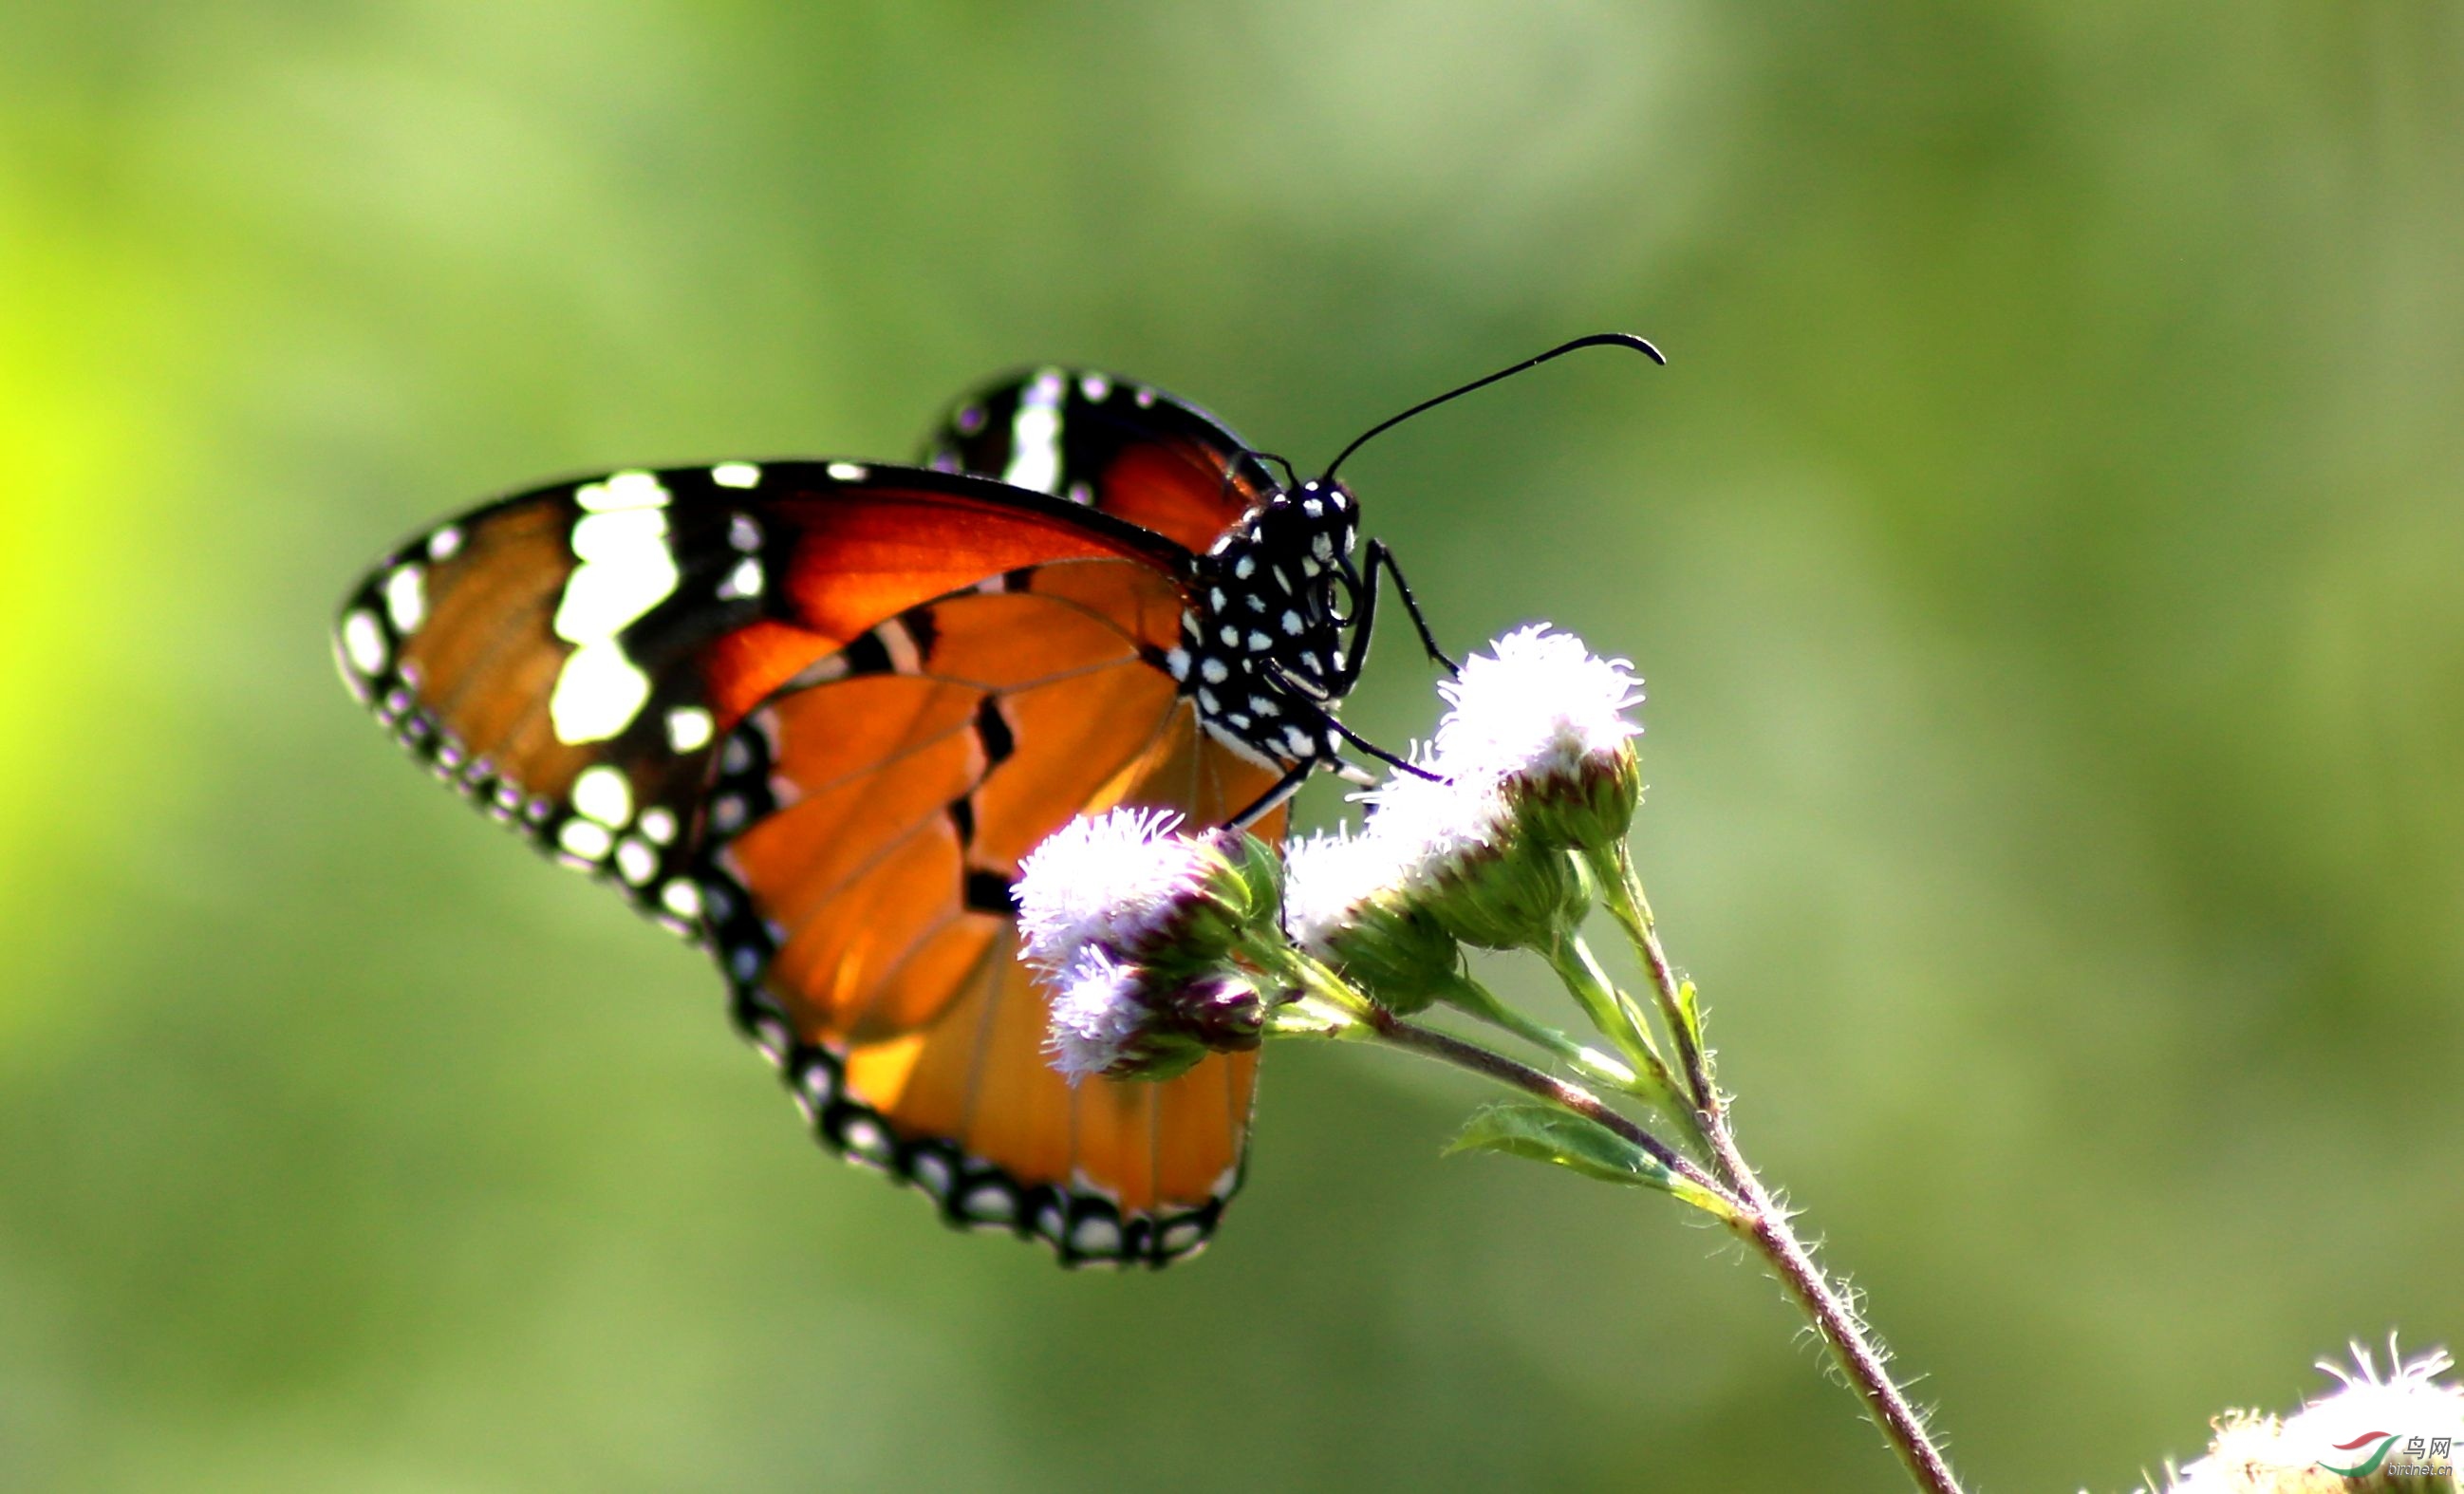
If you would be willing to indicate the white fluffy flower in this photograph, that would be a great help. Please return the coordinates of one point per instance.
(1136, 931)
(1537, 705)
(1532, 759)
(1429, 827)
(1327, 879)
(1113, 879)
(1098, 1012)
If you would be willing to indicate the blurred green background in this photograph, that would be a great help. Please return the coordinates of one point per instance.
(2044, 553)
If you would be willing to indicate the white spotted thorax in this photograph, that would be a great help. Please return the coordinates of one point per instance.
(1262, 650)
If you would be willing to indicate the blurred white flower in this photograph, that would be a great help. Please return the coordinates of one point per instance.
(2404, 1430)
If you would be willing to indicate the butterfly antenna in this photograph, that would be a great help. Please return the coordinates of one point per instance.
(1595, 339)
(1291, 479)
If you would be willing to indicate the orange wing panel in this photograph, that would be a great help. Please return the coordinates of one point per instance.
(858, 563)
(896, 793)
(1152, 1151)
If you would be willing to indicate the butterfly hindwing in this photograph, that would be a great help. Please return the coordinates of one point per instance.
(1120, 448)
(867, 823)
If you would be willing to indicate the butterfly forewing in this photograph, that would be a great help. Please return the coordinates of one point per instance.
(570, 657)
(1121, 447)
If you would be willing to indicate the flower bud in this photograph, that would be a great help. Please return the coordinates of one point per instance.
(1471, 866)
(1126, 1021)
(1345, 906)
(1132, 927)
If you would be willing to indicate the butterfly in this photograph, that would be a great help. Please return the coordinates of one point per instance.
(811, 715)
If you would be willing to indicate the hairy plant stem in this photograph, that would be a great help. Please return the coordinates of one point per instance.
(1447, 1048)
(1736, 1197)
(1761, 1222)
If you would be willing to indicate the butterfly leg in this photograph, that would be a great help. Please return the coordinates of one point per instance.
(1284, 788)
(1379, 752)
(1380, 557)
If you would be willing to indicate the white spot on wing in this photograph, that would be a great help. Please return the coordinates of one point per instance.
(405, 595)
(1035, 436)
(444, 544)
(603, 794)
(635, 862)
(689, 728)
(1095, 1236)
(745, 581)
(597, 693)
(363, 644)
(847, 472)
(681, 899)
(658, 825)
(736, 475)
(585, 839)
(627, 569)
(620, 491)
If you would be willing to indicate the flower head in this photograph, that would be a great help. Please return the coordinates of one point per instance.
(1127, 1021)
(1538, 704)
(1134, 928)
(1098, 1011)
(1455, 852)
(1343, 904)
(1125, 880)
(2366, 1430)
(1546, 721)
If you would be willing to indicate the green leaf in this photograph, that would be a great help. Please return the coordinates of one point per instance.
(1545, 1133)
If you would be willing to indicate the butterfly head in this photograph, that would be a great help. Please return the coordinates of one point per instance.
(1263, 651)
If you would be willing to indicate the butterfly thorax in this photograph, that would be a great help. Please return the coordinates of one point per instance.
(1263, 650)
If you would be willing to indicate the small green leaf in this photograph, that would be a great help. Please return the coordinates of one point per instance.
(1545, 1133)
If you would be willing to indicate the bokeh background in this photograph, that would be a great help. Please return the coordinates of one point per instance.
(2046, 552)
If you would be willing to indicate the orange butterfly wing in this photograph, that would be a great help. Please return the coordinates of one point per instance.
(815, 713)
(868, 821)
(568, 658)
